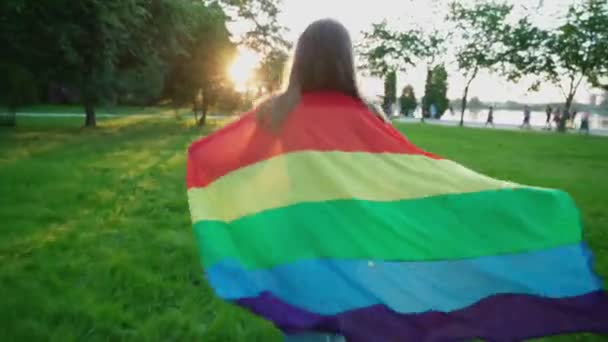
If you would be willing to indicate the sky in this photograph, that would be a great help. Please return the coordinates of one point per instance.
(358, 15)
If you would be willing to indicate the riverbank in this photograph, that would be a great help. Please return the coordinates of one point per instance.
(499, 126)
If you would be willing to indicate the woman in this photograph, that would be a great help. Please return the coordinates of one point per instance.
(316, 214)
(323, 62)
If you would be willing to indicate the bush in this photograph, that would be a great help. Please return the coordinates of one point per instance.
(18, 90)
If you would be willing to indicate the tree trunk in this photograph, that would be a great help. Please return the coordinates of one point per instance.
(195, 110)
(8, 119)
(428, 88)
(204, 109)
(463, 105)
(90, 119)
(563, 121)
(569, 100)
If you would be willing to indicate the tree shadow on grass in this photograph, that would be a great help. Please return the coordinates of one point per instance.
(29, 142)
(97, 243)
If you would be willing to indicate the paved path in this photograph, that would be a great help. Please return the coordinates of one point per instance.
(69, 115)
(106, 115)
(600, 132)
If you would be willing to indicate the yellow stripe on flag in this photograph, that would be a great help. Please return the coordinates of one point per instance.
(321, 176)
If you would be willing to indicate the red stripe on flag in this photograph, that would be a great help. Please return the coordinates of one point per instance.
(322, 122)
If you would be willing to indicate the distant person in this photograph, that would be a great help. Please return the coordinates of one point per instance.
(585, 123)
(433, 111)
(527, 113)
(451, 110)
(557, 116)
(490, 120)
(548, 112)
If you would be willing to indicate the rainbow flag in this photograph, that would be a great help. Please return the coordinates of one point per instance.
(339, 224)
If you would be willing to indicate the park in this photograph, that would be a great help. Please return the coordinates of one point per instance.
(96, 241)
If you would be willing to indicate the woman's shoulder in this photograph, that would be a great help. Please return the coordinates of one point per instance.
(225, 133)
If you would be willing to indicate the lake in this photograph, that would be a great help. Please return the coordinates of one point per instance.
(512, 117)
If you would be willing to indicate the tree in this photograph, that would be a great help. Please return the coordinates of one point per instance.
(435, 91)
(482, 30)
(86, 45)
(384, 51)
(264, 34)
(270, 73)
(475, 103)
(17, 89)
(390, 92)
(407, 100)
(130, 49)
(575, 51)
(197, 75)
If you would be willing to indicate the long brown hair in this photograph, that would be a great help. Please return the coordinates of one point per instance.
(323, 60)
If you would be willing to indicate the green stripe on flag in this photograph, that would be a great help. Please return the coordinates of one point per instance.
(434, 228)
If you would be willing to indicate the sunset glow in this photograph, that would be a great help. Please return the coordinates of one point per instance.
(242, 69)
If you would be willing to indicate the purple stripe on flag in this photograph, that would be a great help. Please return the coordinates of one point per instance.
(495, 318)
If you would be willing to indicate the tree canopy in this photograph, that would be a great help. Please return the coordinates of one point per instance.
(575, 51)
(407, 100)
(485, 36)
(271, 72)
(435, 91)
(384, 50)
(488, 41)
(140, 51)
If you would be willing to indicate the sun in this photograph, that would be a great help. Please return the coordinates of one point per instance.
(242, 69)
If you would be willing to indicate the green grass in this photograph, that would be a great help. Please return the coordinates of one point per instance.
(95, 237)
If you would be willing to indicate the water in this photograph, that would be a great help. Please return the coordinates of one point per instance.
(514, 118)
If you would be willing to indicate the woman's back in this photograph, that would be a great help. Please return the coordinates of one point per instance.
(321, 121)
(317, 215)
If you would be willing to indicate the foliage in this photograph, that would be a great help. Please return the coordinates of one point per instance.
(17, 90)
(200, 70)
(81, 44)
(231, 102)
(266, 34)
(484, 33)
(130, 50)
(407, 100)
(435, 91)
(142, 85)
(390, 92)
(271, 72)
(476, 103)
(576, 50)
(383, 50)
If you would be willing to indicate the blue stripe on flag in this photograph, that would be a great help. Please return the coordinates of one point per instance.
(328, 286)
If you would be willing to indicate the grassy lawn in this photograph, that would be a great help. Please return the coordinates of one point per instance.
(95, 238)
